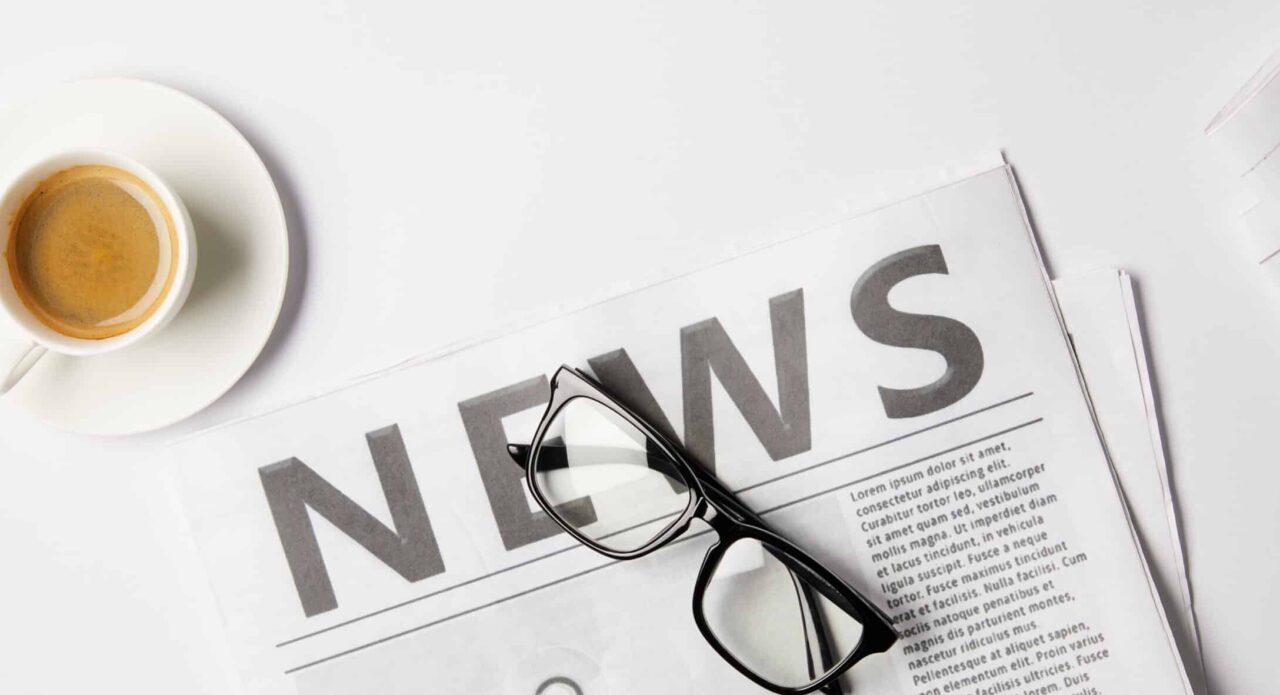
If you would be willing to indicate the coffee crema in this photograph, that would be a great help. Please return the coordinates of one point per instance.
(92, 251)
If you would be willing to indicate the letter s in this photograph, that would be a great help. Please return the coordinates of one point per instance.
(948, 337)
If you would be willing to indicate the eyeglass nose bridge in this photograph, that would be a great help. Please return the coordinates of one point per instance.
(721, 512)
(715, 518)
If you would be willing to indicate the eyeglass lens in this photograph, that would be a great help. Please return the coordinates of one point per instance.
(636, 492)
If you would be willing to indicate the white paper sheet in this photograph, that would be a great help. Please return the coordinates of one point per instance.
(895, 393)
(1247, 135)
(1101, 314)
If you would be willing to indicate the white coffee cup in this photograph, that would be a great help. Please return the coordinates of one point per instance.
(40, 338)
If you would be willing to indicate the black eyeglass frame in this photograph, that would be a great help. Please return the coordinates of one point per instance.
(732, 521)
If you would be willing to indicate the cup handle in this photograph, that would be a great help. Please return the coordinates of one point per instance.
(30, 355)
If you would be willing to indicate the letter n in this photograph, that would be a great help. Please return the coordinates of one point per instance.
(292, 487)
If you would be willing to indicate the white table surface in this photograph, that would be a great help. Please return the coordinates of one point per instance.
(435, 157)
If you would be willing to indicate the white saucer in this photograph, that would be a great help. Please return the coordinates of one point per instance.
(240, 234)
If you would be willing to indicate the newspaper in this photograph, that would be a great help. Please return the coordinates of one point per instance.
(896, 393)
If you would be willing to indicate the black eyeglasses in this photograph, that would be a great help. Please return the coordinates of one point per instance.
(618, 485)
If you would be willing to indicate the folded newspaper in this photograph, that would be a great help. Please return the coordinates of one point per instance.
(896, 393)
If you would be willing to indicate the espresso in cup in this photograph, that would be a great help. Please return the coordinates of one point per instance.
(92, 251)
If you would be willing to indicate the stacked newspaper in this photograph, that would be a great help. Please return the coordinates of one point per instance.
(898, 393)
